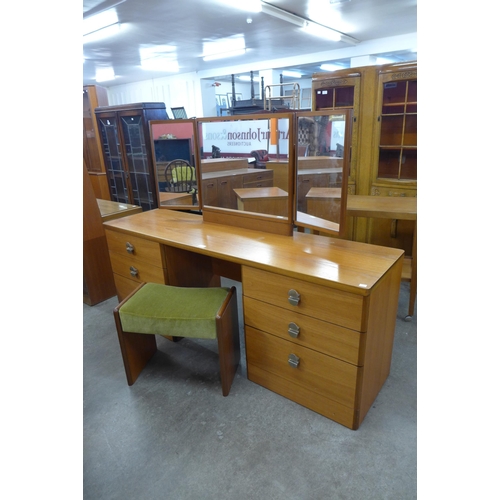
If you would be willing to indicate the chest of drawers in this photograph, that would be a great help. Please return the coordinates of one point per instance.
(309, 343)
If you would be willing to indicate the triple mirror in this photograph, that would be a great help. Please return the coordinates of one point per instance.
(269, 171)
(322, 170)
(175, 163)
(246, 168)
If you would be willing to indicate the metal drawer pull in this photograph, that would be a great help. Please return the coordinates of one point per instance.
(293, 360)
(130, 247)
(293, 330)
(134, 272)
(293, 297)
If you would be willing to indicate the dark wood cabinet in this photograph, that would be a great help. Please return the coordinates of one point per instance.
(128, 156)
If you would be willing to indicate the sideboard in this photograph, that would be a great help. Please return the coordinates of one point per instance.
(319, 312)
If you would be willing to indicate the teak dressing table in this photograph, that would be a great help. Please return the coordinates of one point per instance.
(319, 312)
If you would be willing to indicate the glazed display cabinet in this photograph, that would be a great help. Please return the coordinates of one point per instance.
(397, 142)
(126, 143)
(338, 91)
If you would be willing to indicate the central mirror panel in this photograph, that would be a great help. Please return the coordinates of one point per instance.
(322, 170)
(174, 145)
(246, 173)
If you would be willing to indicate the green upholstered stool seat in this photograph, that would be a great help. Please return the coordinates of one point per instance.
(174, 311)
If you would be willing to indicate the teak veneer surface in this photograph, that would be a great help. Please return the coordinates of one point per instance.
(350, 266)
(390, 207)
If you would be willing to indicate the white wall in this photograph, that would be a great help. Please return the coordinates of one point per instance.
(183, 90)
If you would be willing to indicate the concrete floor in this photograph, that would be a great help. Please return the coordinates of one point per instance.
(173, 436)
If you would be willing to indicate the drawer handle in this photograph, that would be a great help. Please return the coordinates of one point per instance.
(134, 272)
(293, 330)
(293, 360)
(130, 247)
(293, 297)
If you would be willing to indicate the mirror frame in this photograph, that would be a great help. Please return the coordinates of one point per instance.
(194, 156)
(252, 220)
(304, 220)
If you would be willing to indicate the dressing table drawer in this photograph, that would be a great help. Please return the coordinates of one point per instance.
(328, 338)
(135, 260)
(327, 304)
(136, 249)
(136, 270)
(304, 368)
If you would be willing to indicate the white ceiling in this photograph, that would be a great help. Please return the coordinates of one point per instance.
(384, 28)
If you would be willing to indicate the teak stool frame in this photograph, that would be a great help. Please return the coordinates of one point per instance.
(138, 348)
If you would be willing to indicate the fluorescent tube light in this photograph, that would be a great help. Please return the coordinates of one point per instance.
(311, 27)
(104, 74)
(99, 21)
(224, 47)
(159, 58)
(271, 10)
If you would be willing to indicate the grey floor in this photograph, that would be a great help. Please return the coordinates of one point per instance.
(173, 436)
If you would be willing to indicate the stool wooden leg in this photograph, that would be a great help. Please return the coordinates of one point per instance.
(228, 339)
(137, 349)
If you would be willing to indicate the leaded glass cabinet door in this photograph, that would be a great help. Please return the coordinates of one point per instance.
(138, 161)
(115, 166)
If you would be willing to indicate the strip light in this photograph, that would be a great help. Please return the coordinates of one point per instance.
(310, 26)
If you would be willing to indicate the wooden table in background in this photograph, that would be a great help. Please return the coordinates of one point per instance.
(324, 202)
(263, 200)
(397, 208)
(114, 210)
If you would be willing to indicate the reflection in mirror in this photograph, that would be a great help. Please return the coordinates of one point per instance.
(322, 170)
(174, 146)
(245, 164)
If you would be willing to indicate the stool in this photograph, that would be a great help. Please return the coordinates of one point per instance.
(154, 309)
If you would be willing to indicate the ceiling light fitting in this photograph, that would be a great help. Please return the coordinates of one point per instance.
(308, 25)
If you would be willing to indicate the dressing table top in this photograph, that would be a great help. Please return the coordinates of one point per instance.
(346, 265)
